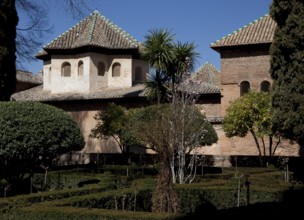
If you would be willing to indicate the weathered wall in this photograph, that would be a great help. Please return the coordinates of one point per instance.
(90, 80)
(245, 146)
(236, 66)
(83, 113)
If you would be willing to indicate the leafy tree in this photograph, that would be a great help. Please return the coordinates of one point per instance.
(113, 122)
(151, 127)
(33, 134)
(287, 69)
(24, 41)
(251, 113)
(171, 134)
(189, 130)
(167, 59)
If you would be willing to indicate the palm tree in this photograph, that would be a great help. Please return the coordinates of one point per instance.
(156, 86)
(183, 63)
(158, 51)
(167, 61)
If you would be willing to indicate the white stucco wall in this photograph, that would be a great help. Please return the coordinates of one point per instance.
(144, 68)
(47, 74)
(98, 82)
(90, 81)
(125, 78)
(74, 83)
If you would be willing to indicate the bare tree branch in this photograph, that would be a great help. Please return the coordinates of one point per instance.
(35, 26)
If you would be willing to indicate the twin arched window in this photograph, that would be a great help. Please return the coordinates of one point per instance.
(66, 69)
(245, 87)
(116, 70)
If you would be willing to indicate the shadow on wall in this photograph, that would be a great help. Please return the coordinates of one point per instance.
(79, 118)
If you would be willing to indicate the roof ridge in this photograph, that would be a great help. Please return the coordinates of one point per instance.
(94, 14)
(119, 30)
(71, 28)
(202, 66)
(240, 29)
(89, 28)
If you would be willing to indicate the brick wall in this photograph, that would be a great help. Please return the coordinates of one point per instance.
(237, 66)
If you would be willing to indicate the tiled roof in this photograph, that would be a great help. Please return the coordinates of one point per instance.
(38, 94)
(203, 81)
(207, 73)
(260, 31)
(198, 87)
(28, 77)
(95, 30)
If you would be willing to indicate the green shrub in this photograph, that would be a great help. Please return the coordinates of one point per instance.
(55, 213)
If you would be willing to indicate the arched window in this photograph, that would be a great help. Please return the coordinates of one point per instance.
(116, 70)
(265, 86)
(138, 74)
(244, 87)
(101, 69)
(66, 69)
(80, 68)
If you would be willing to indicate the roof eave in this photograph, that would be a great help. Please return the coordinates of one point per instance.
(220, 48)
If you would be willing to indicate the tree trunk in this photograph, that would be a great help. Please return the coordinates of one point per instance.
(165, 198)
(8, 24)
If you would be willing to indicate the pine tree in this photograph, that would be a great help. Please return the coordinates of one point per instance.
(287, 69)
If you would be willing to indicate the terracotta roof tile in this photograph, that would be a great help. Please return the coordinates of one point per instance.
(38, 94)
(258, 32)
(95, 30)
(28, 77)
(198, 87)
(207, 73)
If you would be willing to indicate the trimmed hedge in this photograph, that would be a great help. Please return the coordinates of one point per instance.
(56, 213)
(119, 204)
(192, 198)
(210, 196)
(22, 200)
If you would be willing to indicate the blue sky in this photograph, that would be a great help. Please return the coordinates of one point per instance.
(198, 21)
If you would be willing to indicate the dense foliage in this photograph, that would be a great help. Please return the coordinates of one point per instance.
(113, 122)
(176, 134)
(251, 113)
(33, 134)
(152, 124)
(215, 194)
(287, 69)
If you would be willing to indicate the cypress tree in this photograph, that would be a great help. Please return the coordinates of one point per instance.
(287, 69)
(8, 24)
